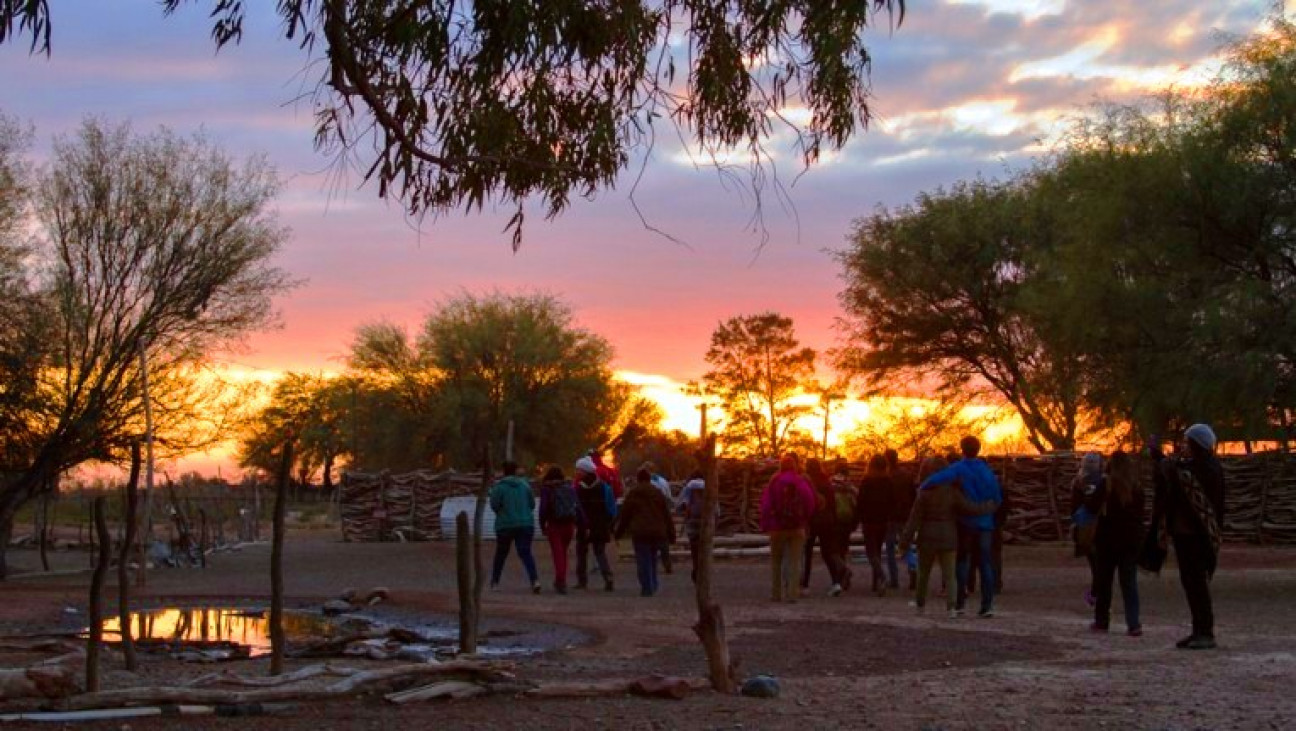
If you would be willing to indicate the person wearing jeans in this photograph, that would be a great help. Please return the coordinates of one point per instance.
(598, 510)
(976, 532)
(976, 543)
(1118, 506)
(646, 516)
(514, 505)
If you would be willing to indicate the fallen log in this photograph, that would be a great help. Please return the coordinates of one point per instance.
(455, 689)
(652, 686)
(360, 682)
(44, 681)
(225, 677)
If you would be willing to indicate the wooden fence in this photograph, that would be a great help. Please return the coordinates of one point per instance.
(406, 507)
(1260, 497)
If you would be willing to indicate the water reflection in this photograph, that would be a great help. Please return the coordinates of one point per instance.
(215, 626)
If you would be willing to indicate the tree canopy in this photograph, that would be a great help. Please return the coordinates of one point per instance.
(478, 363)
(449, 105)
(1142, 278)
(757, 368)
(152, 244)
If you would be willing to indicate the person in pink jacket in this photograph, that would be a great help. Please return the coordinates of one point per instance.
(785, 510)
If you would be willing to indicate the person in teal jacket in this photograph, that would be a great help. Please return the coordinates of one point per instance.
(514, 504)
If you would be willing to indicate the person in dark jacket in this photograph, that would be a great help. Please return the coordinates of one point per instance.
(846, 496)
(598, 509)
(1118, 503)
(514, 505)
(934, 520)
(874, 509)
(1189, 507)
(823, 529)
(904, 490)
(560, 513)
(646, 515)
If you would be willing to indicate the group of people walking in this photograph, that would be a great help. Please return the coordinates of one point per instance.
(951, 511)
(592, 510)
(948, 510)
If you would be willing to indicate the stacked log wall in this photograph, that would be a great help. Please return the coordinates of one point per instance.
(1260, 497)
(406, 507)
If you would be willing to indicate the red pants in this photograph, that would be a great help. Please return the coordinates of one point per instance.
(560, 538)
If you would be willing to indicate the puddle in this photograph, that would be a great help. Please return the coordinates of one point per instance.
(222, 633)
(239, 631)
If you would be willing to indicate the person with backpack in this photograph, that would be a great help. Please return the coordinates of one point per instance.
(560, 513)
(598, 508)
(514, 505)
(690, 504)
(873, 509)
(1118, 506)
(1085, 488)
(823, 530)
(933, 520)
(646, 515)
(785, 509)
(844, 498)
(976, 532)
(1189, 508)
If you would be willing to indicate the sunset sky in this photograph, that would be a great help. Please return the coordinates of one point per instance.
(975, 87)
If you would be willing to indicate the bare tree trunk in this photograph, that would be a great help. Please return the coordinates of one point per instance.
(277, 647)
(479, 517)
(123, 560)
(96, 595)
(202, 537)
(710, 627)
(463, 576)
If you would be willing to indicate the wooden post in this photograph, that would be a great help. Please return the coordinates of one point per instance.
(96, 595)
(42, 532)
(508, 443)
(1052, 496)
(276, 562)
(710, 627)
(123, 559)
(202, 537)
(463, 576)
(479, 517)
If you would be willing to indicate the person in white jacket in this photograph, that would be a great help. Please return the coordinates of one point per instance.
(690, 505)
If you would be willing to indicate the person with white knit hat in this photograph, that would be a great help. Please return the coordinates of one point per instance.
(598, 510)
(1189, 507)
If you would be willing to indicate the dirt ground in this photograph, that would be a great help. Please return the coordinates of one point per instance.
(852, 662)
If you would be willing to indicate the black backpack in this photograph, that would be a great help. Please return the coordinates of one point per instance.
(564, 505)
(790, 510)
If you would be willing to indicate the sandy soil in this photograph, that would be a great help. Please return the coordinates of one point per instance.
(852, 662)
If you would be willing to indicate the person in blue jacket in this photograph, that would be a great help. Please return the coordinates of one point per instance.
(979, 484)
